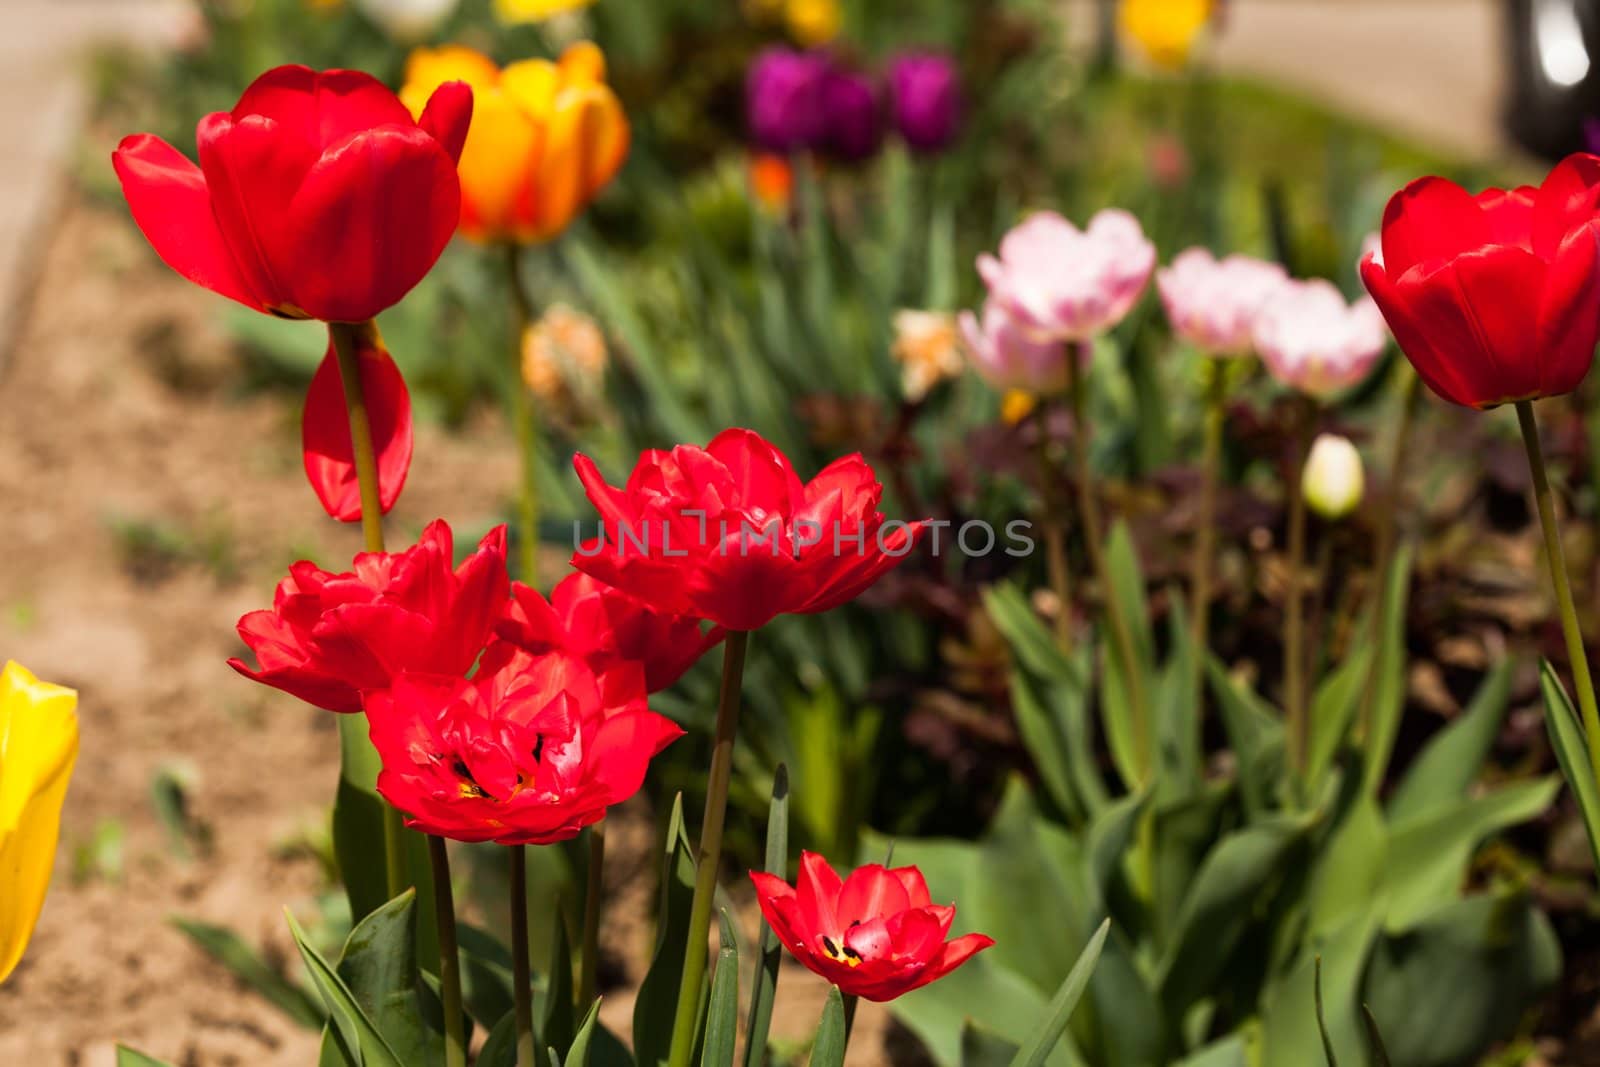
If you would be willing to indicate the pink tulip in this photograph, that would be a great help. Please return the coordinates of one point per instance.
(1060, 283)
(1311, 340)
(1213, 303)
(1007, 358)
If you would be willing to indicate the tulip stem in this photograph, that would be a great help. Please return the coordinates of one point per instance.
(347, 338)
(1089, 511)
(1558, 575)
(1205, 538)
(709, 854)
(521, 970)
(1055, 535)
(850, 1002)
(1294, 652)
(524, 419)
(589, 969)
(455, 1032)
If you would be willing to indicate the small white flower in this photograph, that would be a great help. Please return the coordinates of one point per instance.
(1333, 480)
(408, 20)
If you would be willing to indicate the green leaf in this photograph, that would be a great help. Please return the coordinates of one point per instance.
(1322, 1023)
(1179, 752)
(1375, 1046)
(1334, 708)
(722, 1012)
(1446, 769)
(1350, 868)
(1256, 736)
(126, 1057)
(228, 949)
(500, 1048)
(657, 1001)
(770, 953)
(1228, 1052)
(1031, 641)
(582, 1043)
(1428, 856)
(1388, 676)
(982, 1047)
(1053, 721)
(1116, 708)
(979, 989)
(357, 1035)
(828, 1049)
(1036, 1049)
(486, 974)
(1292, 1030)
(1572, 752)
(379, 966)
(557, 1031)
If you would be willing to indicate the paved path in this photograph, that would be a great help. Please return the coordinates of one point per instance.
(43, 102)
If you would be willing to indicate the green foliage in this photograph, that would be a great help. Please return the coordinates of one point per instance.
(657, 1002)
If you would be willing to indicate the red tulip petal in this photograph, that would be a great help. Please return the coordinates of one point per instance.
(325, 433)
(1509, 213)
(610, 502)
(448, 115)
(762, 475)
(172, 207)
(817, 891)
(1437, 371)
(323, 107)
(916, 886)
(1567, 199)
(1479, 311)
(870, 892)
(1567, 325)
(1430, 219)
(370, 219)
(955, 954)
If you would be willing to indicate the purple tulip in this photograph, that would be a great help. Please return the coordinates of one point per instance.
(926, 91)
(854, 115)
(785, 101)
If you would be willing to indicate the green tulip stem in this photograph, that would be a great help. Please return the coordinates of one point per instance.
(521, 970)
(709, 854)
(1205, 535)
(455, 1031)
(1089, 514)
(1558, 575)
(524, 419)
(347, 338)
(1055, 534)
(589, 969)
(1294, 628)
(850, 1000)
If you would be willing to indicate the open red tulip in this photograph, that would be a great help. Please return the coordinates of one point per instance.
(325, 442)
(606, 627)
(729, 533)
(876, 934)
(318, 196)
(330, 637)
(529, 752)
(1492, 297)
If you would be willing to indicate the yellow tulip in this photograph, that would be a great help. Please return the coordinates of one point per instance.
(545, 139)
(514, 11)
(1165, 30)
(812, 23)
(38, 746)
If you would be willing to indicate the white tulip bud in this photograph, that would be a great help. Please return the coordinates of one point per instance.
(1333, 480)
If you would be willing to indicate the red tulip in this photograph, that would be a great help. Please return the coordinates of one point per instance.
(876, 935)
(529, 752)
(605, 627)
(331, 637)
(729, 533)
(325, 430)
(1493, 297)
(318, 196)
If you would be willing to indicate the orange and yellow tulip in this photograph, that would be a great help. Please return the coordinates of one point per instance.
(545, 139)
(38, 746)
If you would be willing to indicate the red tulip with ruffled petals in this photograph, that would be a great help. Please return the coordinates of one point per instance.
(605, 628)
(330, 637)
(1493, 297)
(318, 196)
(529, 752)
(876, 934)
(729, 533)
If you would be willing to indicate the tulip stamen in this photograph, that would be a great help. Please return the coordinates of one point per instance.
(469, 784)
(841, 953)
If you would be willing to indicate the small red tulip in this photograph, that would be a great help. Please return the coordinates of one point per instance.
(876, 935)
(1492, 297)
(529, 752)
(329, 456)
(729, 533)
(318, 196)
(330, 637)
(605, 628)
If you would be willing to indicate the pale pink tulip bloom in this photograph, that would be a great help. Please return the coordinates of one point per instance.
(1212, 303)
(1008, 358)
(1311, 340)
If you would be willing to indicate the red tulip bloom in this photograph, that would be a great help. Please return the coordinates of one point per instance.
(331, 637)
(606, 628)
(529, 752)
(1493, 297)
(318, 196)
(330, 458)
(876, 935)
(729, 533)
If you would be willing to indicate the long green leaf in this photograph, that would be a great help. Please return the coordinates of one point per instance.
(1379, 1054)
(1036, 1049)
(1322, 1022)
(379, 965)
(1388, 676)
(359, 1037)
(228, 949)
(770, 953)
(657, 1001)
(1446, 769)
(828, 1049)
(722, 1012)
(583, 1041)
(1572, 752)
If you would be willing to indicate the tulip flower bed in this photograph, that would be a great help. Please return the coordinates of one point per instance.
(892, 575)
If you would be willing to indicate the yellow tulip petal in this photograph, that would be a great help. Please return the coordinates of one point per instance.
(812, 23)
(513, 11)
(1165, 30)
(585, 143)
(497, 166)
(429, 68)
(582, 61)
(532, 85)
(38, 746)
